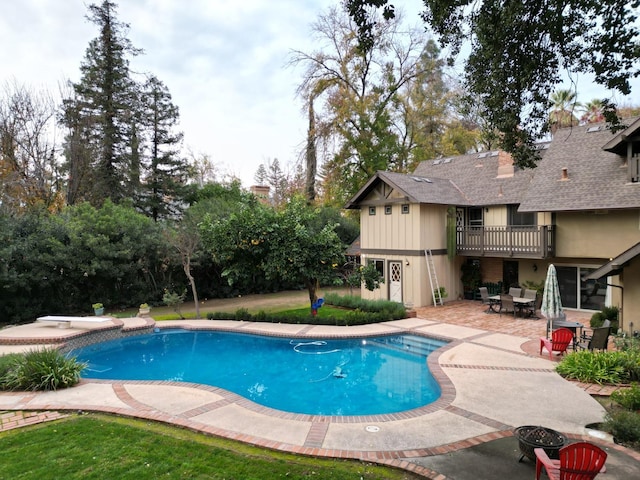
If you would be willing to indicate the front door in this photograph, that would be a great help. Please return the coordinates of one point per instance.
(395, 281)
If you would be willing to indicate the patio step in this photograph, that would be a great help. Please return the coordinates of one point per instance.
(412, 343)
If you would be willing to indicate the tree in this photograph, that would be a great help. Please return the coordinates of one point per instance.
(563, 105)
(100, 112)
(520, 50)
(165, 171)
(593, 112)
(28, 168)
(359, 102)
(288, 244)
(184, 237)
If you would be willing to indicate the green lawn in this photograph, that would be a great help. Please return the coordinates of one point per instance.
(100, 446)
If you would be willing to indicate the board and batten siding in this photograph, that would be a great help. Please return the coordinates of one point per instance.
(403, 237)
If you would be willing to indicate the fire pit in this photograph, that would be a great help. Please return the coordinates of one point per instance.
(531, 437)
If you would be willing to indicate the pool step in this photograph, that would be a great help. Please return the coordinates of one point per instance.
(412, 343)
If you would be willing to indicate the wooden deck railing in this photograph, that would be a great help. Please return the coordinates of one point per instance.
(508, 241)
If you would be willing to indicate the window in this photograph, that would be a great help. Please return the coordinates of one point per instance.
(405, 208)
(372, 210)
(474, 217)
(520, 219)
(379, 264)
(387, 209)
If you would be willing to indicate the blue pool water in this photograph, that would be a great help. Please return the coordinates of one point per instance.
(318, 377)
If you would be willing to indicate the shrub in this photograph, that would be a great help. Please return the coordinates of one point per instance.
(628, 398)
(593, 367)
(45, 369)
(607, 313)
(624, 426)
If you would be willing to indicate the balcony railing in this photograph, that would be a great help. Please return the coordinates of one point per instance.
(508, 241)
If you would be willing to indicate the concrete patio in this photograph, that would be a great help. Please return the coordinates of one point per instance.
(491, 374)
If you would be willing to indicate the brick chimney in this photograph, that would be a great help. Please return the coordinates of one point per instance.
(262, 192)
(505, 164)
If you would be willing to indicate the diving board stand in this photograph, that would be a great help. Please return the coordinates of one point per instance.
(65, 321)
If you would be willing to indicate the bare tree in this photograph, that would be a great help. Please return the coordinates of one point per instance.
(28, 168)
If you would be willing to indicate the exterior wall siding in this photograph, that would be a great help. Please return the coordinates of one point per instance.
(590, 235)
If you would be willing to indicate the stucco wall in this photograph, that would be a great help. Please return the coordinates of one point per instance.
(591, 235)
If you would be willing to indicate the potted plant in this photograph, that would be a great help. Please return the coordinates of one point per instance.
(98, 308)
(144, 309)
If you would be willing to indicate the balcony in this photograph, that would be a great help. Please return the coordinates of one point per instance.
(508, 241)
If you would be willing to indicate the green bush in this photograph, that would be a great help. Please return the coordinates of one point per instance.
(624, 426)
(593, 367)
(363, 312)
(628, 398)
(45, 369)
(607, 313)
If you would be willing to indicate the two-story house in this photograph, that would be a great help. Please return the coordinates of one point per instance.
(579, 209)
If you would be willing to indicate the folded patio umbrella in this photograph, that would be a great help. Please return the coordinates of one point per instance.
(551, 306)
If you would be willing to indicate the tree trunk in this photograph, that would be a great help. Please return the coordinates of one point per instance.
(312, 287)
(187, 270)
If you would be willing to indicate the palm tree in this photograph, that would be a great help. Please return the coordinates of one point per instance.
(593, 112)
(562, 105)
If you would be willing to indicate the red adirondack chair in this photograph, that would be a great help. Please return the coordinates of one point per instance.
(578, 461)
(560, 340)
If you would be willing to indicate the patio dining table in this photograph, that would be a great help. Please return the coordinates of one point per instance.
(519, 302)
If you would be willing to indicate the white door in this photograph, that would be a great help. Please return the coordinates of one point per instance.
(395, 281)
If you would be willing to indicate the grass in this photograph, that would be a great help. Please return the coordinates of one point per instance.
(96, 446)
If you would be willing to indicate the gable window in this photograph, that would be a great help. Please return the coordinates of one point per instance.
(387, 209)
(521, 219)
(405, 208)
(372, 210)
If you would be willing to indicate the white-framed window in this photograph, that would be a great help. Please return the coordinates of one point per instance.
(379, 264)
(405, 208)
(387, 209)
(372, 210)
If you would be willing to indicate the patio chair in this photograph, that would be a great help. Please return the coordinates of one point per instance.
(486, 300)
(530, 309)
(559, 342)
(515, 292)
(506, 304)
(578, 461)
(598, 340)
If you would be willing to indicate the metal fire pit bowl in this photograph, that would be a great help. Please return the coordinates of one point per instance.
(531, 437)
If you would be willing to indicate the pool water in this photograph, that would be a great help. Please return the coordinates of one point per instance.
(317, 377)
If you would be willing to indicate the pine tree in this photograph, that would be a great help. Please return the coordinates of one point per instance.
(98, 115)
(161, 189)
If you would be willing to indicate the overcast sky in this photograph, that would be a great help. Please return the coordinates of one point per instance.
(224, 62)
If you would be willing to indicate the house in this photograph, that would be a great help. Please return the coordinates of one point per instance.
(579, 209)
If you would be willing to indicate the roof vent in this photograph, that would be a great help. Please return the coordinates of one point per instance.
(495, 154)
(446, 160)
(593, 129)
(437, 162)
(483, 155)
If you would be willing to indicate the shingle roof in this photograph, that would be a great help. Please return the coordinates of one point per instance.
(477, 176)
(596, 180)
(417, 189)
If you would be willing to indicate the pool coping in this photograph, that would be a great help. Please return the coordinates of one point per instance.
(317, 426)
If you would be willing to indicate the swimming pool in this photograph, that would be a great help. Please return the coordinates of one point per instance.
(364, 376)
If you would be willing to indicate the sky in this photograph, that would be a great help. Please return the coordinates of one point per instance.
(223, 61)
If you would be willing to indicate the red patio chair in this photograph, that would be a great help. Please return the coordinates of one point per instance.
(560, 340)
(578, 461)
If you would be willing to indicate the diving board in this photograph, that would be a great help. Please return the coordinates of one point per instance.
(65, 321)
